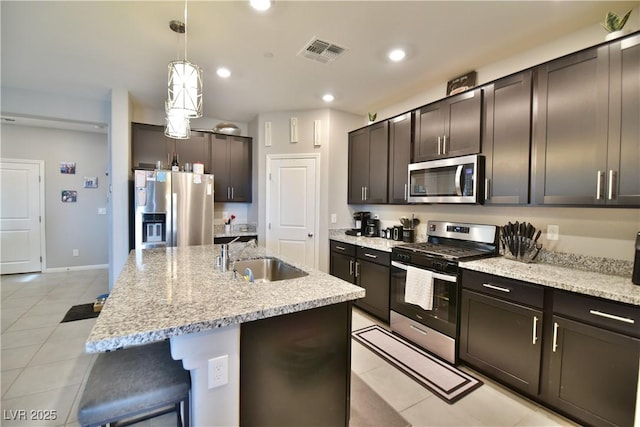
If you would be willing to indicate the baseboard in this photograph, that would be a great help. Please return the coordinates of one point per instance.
(76, 268)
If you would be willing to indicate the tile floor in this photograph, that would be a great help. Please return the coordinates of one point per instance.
(44, 365)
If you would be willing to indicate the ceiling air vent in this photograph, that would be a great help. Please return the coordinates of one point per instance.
(321, 51)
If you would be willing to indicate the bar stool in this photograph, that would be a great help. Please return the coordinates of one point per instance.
(134, 384)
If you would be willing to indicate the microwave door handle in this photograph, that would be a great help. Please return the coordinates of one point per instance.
(458, 181)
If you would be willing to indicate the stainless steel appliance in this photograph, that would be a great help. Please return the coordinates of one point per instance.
(453, 180)
(436, 329)
(172, 209)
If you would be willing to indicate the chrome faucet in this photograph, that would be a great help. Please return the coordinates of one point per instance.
(224, 254)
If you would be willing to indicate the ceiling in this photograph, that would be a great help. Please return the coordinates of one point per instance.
(86, 48)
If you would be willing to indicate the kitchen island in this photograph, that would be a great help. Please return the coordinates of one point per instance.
(180, 295)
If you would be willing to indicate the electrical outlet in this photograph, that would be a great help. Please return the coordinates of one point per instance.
(553, 232)
(76, 252)
(225, 215)
(334, 218)
(102, 211)
(219, 371)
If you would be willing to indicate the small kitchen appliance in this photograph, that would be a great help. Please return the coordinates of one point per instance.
(372, 228)
(359, 223)
(434, 266)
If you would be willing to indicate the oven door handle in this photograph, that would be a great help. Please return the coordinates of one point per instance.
(445, 277)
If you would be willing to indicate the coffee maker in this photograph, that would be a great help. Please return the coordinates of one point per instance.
(359, 224)
(373, 228)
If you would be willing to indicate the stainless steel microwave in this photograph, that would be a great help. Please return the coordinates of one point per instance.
(452, 180)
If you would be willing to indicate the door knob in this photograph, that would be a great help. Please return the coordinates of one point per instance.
(310, 234)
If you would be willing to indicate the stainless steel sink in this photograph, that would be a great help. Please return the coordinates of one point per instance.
(268, 269)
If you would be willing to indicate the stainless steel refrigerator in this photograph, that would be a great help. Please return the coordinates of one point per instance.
(172, 209)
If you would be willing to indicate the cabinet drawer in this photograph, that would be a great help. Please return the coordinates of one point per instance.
(610, 315)
(344, 248)
(503, 288)
(373, 255)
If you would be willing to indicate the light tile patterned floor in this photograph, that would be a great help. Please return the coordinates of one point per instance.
(44, 365)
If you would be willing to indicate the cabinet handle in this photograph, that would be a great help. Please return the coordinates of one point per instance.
(361, 193)
(497, 288)
(350, 267)
(341, 248)
(444, 144)
(228, 194)
(612, 316)
(357, 268)
(418, 329)
(612, 184)
(371, 256)
(599, 189)
(535, 330)
(439, 146)
(232, 195)
(405, 192)
(487, 184)
(555, 336)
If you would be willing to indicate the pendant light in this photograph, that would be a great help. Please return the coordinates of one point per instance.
(184, 89)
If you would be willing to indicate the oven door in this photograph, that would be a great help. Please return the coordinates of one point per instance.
(443, 317)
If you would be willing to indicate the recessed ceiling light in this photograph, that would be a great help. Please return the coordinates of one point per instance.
(327, 97)
(260, 4)
(223, 72)
(396, 55)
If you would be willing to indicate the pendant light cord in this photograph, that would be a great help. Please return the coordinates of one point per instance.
(186, 28)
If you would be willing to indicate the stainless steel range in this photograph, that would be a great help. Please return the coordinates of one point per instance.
(425, 290)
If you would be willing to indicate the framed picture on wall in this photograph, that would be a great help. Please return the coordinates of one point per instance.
(68, 167)
(69, 196)
(90, 182)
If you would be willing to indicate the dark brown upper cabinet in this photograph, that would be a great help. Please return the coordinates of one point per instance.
(150, 144)
(368, 163)
(400, 138)
(231, 168)
(449, 128)
(507, 139)
(586, 132)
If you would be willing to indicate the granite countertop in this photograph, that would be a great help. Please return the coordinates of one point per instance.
(174, 291)
(368, 242)
(599, 277)
(603, 285)
(235, 230)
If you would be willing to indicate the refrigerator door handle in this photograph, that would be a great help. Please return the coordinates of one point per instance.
(174, 219)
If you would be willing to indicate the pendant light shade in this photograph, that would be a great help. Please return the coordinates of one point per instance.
(177, 124)
(184, 91)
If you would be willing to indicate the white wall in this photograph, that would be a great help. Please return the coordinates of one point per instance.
(68, 226)
(332, 161)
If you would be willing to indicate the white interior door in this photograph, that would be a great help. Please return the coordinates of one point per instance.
(292, 204)
(20, 211)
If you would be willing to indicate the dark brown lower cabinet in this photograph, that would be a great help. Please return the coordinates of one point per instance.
(594, 354)
(367, 268)
(574, 353)
(374, 278)
(503, 339)
(295, 369)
